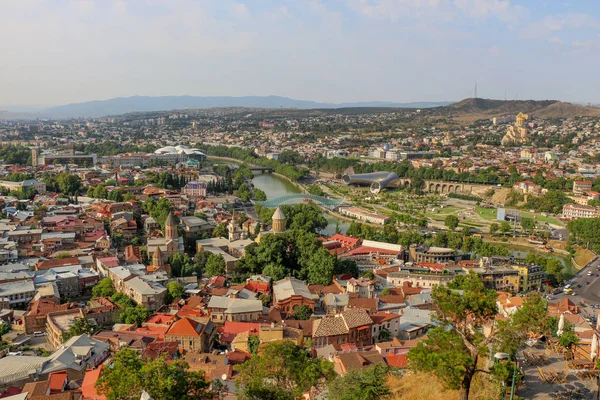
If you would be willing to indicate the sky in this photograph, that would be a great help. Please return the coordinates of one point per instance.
(56, 52)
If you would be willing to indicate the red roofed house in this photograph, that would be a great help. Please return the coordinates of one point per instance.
(347, 242)
(191, 335)
(58, 381)
(231, 329)
(88, 387)
(385, 321)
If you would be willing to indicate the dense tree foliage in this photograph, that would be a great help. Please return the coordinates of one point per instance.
(585, 231)
(451, 222)
(316, 190)
(79, 327)
(297, 252)
(282, 371)
(133, 315)
(367, 384)
(550, 202)
(158, 210)
(551, 265)
(104, 288)
(111, 148)
(302, 312)
(215, 265)
(69, 184)
(15, 155)
(453, 349)
(175, 290)
(128, 375)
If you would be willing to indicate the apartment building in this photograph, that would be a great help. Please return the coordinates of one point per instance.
(574, 211)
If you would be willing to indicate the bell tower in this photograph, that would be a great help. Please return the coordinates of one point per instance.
(170, 228)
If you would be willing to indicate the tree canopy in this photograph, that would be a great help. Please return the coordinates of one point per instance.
(453, 349)
(128, 375)
(368, 384)
(282, 371)
(104, 288)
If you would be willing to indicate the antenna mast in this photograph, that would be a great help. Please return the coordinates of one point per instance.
(475, 89)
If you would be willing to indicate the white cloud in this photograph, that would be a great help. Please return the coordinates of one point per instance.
(494, 51)
(582, 44)
(551, 24)
(504, 10)
(555, 40)
(241, 10)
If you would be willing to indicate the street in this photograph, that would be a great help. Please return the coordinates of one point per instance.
(586, 289)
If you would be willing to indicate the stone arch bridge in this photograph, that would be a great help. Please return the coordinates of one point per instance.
(444, 187)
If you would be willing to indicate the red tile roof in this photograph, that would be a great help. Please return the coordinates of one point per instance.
(231, 329)
(396, 360)
(88, 387)
(185, 327)
(58, 380)
(368, 250)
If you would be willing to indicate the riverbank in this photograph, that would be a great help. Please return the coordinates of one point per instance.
(240, 162)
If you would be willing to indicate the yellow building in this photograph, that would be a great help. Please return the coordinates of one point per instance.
(518, 132)
(530, 277)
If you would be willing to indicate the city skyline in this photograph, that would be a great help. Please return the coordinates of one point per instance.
(60, 52)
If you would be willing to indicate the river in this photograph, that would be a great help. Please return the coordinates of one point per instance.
(275, 186)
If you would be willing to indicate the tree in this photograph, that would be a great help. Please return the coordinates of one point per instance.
(175, 290)
(133, 315)
(128, 375)
(494, 227)
(504, 227)
(68, 184)
(368, 274)
(104, 288)
(122, 300)
(306, 217)
(79, 327)
(215, 265)
(253, 343)
(220, 231)
(259, 195)
(265, 298)
(451, 222)
(282, 371)
(354, 229)
(385, 291)
(100, 192)
(527, 224)
(368, 384)
(452, 349)
(321, 267)
(316, 190)
(302, 312)
(4, 329)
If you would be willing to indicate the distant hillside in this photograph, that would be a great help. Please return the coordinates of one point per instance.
(474, 109)
(567, 110)
(123, 105)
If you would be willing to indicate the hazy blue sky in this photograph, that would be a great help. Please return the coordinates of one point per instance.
(60, 51)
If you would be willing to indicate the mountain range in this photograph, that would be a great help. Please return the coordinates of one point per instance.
(464, 110)
(123, 105)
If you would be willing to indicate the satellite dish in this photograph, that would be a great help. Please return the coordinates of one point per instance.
(224, 377)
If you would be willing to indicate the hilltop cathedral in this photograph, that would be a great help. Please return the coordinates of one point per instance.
(517, 133)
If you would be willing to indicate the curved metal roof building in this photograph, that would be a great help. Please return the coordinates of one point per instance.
(376, 180)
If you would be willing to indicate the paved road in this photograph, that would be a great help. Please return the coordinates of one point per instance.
(589, 292)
